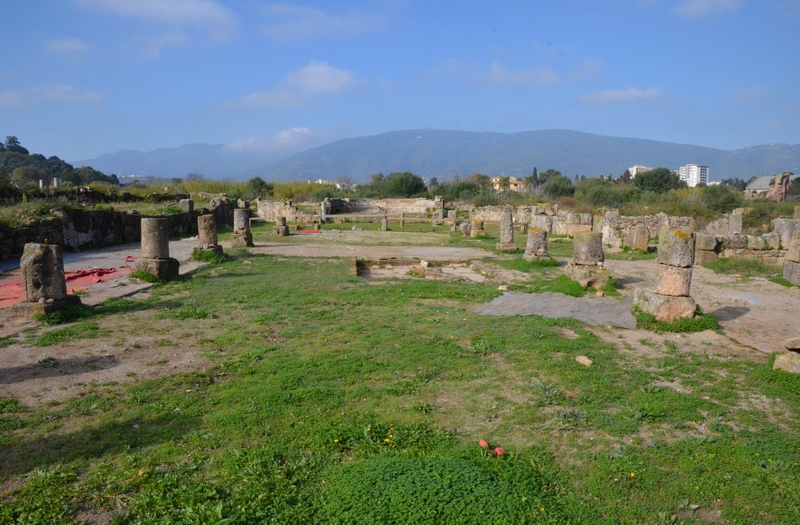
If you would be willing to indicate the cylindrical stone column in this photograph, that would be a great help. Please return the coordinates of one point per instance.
(676, 247)
(507, 228)
(537, 244)
(280, 221)
(42, 267)
(155, 238)
(441, 214)
(207, 230)
(241, 220)
(588, 248)
(674, 281)
(384, 224)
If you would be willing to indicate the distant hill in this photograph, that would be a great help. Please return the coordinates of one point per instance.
(442, 154)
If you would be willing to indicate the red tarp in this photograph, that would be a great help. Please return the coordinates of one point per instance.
(11, 291)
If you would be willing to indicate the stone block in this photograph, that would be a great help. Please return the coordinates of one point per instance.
(797, 213)
(792, 343)
(588, 248)
(735, 221)
(676, 247)
(242, 239)
(280, 231)
(788, 362)
(791, 272)
(27, 309)
(384, 224)
(594, 276)
(542, 222)
(665, 308)
(155, 238)
(573, 218)
(186, 205)
(477, 224)
(793, 253)
(705, 241)
(785, 228)
(466, 228)
(641, 237)
(705, 256)
(505, 247)
(773, 240)
(673, 280)
(755, 242)
(42, 267)
(162, 269)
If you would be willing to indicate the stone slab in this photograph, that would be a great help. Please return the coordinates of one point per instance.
(664, 307)
(792, 344)
(593, 310)
(791, 272)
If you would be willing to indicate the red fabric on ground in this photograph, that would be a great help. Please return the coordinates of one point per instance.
(11, 291)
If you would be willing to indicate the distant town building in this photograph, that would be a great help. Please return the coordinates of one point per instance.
(692, 174)
(760, 186)
(637, 169)
(514, 184)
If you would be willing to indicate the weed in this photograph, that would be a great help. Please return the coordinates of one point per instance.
(85, 330)
(209, 256)
(47, 362)
(69, 314)
(698, 323)
(144, 276)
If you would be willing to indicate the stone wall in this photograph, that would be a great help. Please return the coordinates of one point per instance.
(391, 207)
(763, 248)
(785, 228)
(77, 229)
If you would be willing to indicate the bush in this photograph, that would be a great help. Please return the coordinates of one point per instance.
(557, 187)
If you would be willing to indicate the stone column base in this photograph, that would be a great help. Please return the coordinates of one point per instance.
(664, 307)
(505, 247)
(30, 309)
(594, 276)
(280, 231)
(162, 269)
(242, 239)
(536, 257)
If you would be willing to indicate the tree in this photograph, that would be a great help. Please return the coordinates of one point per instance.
(12, 144)
(27, 175)
(737, 183)
(559, 186)
(659, 180)
(403, 184)
(257, 187)
(626, 177)
(484, 182)
(547, 175)
(195, 177)
(504, 183)
(433, 183)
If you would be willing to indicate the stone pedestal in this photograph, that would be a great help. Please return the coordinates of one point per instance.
(588, 248)
(594, 276)
(676, 247)
(641, 237)
(673, 280)
(241, 228)
(536, 247)
(506, 243)
(186, 205)
(451, 216)
(280, 229)
(155, 258)
(384, 224)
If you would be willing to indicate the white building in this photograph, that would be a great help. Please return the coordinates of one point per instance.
(692, 174)
(637, 169)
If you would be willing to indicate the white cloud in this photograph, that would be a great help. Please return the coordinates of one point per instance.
(748, 94)
(300, 88)
(587, 69)
(47, 93)
(293, 139)
(206, 16)
(622, 95)
(500, 76)
(706, 7)
(67, 46)
(292, 22)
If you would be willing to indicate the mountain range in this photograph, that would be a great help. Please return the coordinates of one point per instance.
(443, 154)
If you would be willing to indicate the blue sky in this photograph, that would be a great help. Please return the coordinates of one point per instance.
(80, 78)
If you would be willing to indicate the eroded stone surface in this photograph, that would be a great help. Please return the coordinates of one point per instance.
(676, 247)
(788, 362)
(536, 247)
(641, 237)
(791, 272)
(506, 228)
(162, 269)
(594, 276)
(673, 280)
(207, 230)
(42, 268)
(793, 253)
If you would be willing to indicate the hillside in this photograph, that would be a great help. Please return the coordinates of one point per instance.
(442, 154)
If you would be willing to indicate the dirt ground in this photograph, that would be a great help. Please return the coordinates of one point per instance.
(756, 315)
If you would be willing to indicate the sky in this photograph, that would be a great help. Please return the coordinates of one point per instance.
(81, 78)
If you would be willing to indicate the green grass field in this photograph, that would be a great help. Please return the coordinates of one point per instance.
(330, 399)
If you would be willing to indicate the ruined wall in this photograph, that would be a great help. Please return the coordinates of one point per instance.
(77, 229)
(391, 207)
(763, 248)
(271, 210)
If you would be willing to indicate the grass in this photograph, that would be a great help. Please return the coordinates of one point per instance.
(745, 268)
(330, 398)
(632, 255)
(698, 323)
